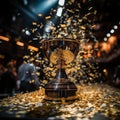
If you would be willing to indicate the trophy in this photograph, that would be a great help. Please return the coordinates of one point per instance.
(60, 52)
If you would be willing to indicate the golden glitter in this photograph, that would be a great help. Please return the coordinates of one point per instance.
(92, 99)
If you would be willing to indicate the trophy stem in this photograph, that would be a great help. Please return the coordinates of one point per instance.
(60, 87)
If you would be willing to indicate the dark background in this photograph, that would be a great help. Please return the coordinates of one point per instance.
(17, 15)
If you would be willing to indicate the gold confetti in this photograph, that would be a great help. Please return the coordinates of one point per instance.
(47, 17)
(92, 99)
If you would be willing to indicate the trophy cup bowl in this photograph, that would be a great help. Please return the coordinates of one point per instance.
(60, 52)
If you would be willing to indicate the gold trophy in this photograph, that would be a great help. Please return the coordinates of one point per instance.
(60, 52)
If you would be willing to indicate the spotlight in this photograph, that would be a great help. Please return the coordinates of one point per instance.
(43, 6)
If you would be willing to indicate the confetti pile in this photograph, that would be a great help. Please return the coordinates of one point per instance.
(92, 99)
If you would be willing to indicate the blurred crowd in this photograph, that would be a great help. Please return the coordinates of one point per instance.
(15, 79)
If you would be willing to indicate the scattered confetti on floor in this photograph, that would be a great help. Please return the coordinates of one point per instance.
(91, 99)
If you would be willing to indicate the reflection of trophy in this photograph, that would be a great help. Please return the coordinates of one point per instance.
(60, 52)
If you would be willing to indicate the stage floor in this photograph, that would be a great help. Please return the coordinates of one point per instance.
(94, 102)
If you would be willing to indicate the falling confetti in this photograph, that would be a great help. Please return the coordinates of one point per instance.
(76, 22)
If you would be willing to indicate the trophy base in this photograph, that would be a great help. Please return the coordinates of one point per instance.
(59, 89)
(68, 99)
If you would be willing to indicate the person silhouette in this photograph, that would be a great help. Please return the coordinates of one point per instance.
(27, 76)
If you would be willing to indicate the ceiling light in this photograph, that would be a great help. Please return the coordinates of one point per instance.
(105, 39)
(115, 27)
(112, 31)
(4, 38)
(108, 35)
(32, 48)
(20, 43)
